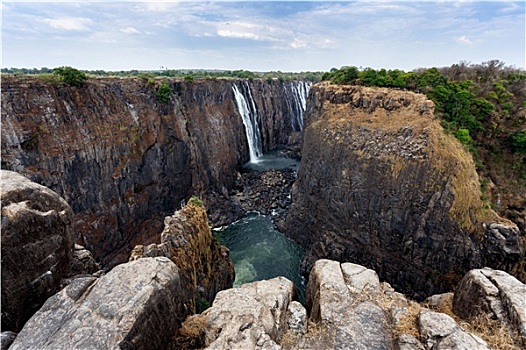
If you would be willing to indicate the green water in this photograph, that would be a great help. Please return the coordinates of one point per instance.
(260, 252)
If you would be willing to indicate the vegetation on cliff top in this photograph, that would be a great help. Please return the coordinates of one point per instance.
(183, 74)
(484, 106)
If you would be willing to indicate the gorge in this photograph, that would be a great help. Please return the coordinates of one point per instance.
(380, 183)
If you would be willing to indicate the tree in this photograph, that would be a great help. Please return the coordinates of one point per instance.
(70, 76)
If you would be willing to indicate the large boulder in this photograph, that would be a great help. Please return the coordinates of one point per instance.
(254, 316)
(206, 267)
(135, 306)
(37, 247)
(493, 293)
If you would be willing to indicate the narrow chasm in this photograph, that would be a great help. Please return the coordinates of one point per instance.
(261, 198)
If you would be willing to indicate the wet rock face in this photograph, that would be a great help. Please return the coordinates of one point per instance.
(37, 246)
(134, 306)
(382, 185)
(122, 159)
(205, 266)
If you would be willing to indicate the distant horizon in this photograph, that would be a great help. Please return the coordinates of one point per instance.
(261, 36)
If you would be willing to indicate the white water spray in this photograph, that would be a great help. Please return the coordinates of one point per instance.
(250, 120)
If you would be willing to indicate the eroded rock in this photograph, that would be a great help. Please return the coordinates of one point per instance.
(494, 293)
(206, 267)
(134, 306)
(37, 246)
(253, 316)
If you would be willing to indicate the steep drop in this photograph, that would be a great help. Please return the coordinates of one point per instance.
(381, 184)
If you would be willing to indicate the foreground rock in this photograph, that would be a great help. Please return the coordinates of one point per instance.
(37, 247)
(135, 306)
(381, 184)
(253, 316)
(495, 294)
(349, 308)
(205, 266)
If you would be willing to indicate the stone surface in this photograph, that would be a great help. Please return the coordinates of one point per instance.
(408, 342)
(297, 318)
(495, 293)
(37, 246)
(205, 266)
(123, 160)
(83, 262)
(6, 339)
(382, 185)
(253, 316)
(440, 331)
(134, 306)
(439, 301)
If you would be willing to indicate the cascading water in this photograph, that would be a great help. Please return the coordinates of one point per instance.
(250, 120)
(300, 91)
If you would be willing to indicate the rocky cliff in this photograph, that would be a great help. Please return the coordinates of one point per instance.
(381, 184)
(124, 160)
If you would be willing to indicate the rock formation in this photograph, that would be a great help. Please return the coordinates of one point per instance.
(124, 160)
(381, 184)
(37, 247)
(253, 316)
(135, 306)
(348, 307)
(495, 294)
(205, 266)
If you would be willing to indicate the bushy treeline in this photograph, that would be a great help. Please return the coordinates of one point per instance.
(467, 96)
(184, 74)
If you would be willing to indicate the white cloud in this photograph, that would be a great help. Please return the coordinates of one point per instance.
(130, 30)
(464, 40)
(68, 23)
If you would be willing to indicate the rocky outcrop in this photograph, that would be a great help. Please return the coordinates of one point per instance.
(381, 184)
(124, 160)
(205, 266)
(495, 294)
(37, 247)
(134, 306)
(253, 316)
(349, 308)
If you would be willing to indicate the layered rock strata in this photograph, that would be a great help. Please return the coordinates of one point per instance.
(381, 184)
(37, 246)
(205, 266)
(124, 160)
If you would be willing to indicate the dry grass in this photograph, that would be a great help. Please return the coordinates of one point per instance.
(496, 334)
(191, 335)
(319, 336)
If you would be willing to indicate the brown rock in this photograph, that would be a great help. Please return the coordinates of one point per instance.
(205, 266)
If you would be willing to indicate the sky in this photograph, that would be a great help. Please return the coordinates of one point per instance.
(290, 36)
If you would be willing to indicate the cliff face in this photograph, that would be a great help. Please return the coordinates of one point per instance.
(122, 159)
(382, 185)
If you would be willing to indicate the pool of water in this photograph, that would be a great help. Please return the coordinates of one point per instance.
(272, 160)
(260, 252)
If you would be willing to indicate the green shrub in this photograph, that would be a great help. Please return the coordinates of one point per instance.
(163, 92)
(201, 305)
(518, 142)
(70, 76)
(195, 200)
(463, 136)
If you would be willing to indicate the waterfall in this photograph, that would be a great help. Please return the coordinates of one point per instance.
(300, 91)
(250, 120)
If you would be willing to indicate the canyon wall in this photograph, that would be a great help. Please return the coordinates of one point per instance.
(381, 184)
(124, 160)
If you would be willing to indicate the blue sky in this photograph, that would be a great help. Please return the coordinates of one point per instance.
(261, 35)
